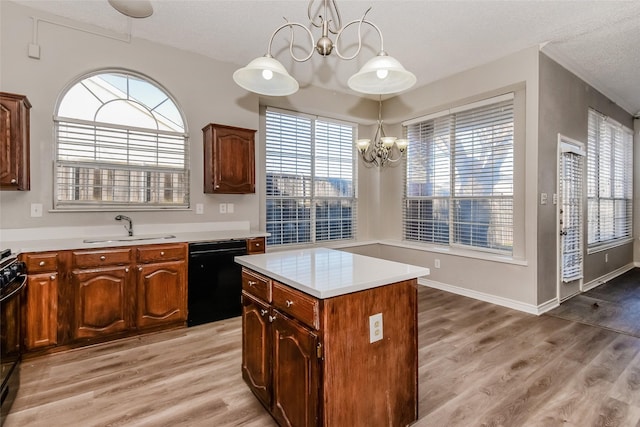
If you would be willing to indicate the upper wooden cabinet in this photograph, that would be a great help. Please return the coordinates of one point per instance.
(229, 159)
(14, 142)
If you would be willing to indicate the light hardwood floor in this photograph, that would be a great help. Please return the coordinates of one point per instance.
(480, 365)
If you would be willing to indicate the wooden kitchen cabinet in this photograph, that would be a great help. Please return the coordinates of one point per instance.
(256, 245)
(310, 361)
(229, 159)
(41, 307)
(14, 142)
(162, 285)
(281, 356)
(103, 292)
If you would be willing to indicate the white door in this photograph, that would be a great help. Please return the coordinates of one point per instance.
(570, 217)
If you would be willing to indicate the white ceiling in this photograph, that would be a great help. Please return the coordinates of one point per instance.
(597, 40)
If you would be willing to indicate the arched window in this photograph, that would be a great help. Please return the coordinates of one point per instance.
(120, 143)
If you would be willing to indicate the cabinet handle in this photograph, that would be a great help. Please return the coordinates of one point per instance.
(53, 277)
(289, 303)
(13, 180)
(217, 186)
(257, 245)
(263, 312)
(162, 253)
(272, 318)
(252, 283)
(102, 258)
(42, 263)
(126, 270)
(139, 268)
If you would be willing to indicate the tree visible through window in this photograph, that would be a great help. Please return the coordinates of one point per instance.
(459, 177)
(310, 180)
(120, 142)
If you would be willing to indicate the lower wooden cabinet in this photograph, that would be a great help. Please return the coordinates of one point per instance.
(78, 297)
(162, 294)
(103, 301)
(41, 311)
(280, 360)
(311, 362)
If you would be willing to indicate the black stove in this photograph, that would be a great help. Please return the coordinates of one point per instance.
(12, 286)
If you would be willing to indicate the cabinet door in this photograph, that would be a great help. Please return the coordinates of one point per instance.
(162, 293)
(256, 348)
(296, 373)
(103, 301)
(41, 310)
(14, 142)
(229, 160)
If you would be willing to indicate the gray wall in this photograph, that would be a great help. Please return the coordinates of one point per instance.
(203, 88)
(564, 102)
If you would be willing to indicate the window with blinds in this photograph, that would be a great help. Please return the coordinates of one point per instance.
(310, 179)
(609, 181)
(120, 143)
(459, 177)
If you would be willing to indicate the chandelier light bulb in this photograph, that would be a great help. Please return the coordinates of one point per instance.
(382, 74)
(267, 74)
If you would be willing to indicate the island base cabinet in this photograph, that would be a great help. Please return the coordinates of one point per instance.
(296, 373)
(332, 374)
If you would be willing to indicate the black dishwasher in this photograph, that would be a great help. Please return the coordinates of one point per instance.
(215, 281)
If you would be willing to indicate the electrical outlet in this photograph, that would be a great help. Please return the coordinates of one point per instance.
(543, 198)
(199, 209)
(230, 208)
(606, 257)
(375, 327)
(437, 263)
(223, 208)
(36, 209)
(555, 198)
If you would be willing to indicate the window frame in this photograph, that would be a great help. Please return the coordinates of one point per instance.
(449, 236)
(311, 199)
(150, 176)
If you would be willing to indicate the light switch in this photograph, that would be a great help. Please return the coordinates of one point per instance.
(543, 198)
(230, 208)
(199, 208)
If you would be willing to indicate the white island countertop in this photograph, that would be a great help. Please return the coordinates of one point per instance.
(325, 273)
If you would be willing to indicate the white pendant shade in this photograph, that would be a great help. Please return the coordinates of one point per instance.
(382, 75)
(267, 76)
(133, 8)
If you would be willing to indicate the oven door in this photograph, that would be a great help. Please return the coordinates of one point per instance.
(10, 343)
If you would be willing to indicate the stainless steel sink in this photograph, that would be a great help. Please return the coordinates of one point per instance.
(129, 238)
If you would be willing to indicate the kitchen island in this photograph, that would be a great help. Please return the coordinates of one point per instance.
(330, 337)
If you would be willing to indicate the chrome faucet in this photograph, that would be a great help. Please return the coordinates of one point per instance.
(126, 218)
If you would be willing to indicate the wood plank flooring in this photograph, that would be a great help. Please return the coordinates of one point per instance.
(479, 365)
(614, 305)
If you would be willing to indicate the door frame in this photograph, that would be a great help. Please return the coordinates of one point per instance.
(581, 149)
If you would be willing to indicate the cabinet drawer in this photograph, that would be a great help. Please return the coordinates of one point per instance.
(162, 253)
(83, 259)
(256, 285)
(256, 245)
(39, 263)
(301, 306)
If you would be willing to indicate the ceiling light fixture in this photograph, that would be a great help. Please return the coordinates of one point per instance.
(382, 74)
(133, 8)
(381, 152)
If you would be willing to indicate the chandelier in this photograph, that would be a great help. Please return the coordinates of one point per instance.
(382, 74)
(381, 152)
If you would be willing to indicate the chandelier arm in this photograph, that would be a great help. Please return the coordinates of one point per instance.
(359, 22)
(291, 25)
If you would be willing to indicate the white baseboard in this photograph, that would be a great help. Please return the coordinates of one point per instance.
(493, 299)
(611, 275)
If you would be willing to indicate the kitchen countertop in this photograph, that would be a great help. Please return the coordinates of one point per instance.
(57, 244)
(325, 273)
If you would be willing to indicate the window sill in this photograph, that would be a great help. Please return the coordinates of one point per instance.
(610, 245)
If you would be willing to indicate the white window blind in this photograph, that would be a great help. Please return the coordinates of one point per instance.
(571, 203)
(120, 142)
(459, 178)
(310, 179)
(609, 180)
